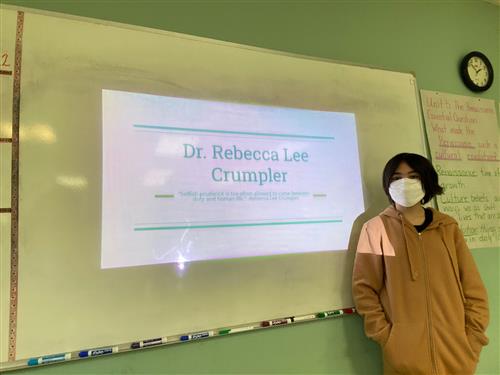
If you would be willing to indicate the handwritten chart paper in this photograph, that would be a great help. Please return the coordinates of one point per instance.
(463, 138)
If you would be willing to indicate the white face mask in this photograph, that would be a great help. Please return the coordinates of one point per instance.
(406, 192)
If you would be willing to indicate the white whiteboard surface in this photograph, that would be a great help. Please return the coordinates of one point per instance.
(66, 301)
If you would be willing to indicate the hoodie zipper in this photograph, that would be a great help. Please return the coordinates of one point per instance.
(429, 306)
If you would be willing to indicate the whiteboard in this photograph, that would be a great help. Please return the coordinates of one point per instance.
(66, 301)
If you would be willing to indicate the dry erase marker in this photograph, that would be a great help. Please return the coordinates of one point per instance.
(97, 352)
(235, 330)
(327, 314)
(150, 342)
(196, 336)
(276, 322)
(49, 359)
(304, 317)
(349, 310)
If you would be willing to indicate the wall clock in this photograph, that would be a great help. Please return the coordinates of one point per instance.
(476, 71)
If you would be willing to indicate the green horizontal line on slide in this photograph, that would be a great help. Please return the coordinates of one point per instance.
(154, 127)
(164, 196)
(238, 225)
(319, 195)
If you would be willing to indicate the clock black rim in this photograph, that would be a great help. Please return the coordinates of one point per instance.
(465, 76)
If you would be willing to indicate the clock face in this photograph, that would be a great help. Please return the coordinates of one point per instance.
(478, 71)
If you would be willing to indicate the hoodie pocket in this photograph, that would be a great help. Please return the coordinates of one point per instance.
(391, 330)
(454, 350)
(407, 349)
(471, 350)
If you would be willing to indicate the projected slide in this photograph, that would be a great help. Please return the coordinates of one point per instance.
(188, 180)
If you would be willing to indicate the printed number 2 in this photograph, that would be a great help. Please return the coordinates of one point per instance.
(5, 56)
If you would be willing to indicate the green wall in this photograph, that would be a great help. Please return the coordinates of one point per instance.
(422, 36)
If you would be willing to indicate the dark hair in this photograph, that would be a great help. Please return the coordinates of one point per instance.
(428, 175)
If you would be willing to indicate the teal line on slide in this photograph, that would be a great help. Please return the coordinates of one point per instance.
(238, 225)
(233, 132)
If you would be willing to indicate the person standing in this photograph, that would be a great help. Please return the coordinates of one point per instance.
(415, 282)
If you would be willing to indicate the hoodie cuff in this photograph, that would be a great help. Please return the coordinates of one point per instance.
(382, 336)
(476, 341)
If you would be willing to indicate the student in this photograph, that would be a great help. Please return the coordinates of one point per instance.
(415, 282)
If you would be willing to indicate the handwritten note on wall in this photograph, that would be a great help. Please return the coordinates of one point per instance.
(464, 142)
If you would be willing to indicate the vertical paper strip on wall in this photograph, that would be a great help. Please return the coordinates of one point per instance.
(14, 237)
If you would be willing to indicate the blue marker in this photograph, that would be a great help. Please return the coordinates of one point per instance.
(96, 352)
(196, 336)
(49, 359)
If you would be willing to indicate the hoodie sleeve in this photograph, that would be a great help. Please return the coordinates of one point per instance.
(367, 282)
(476, 298)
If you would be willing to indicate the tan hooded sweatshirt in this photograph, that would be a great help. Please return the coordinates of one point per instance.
(421, 295)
